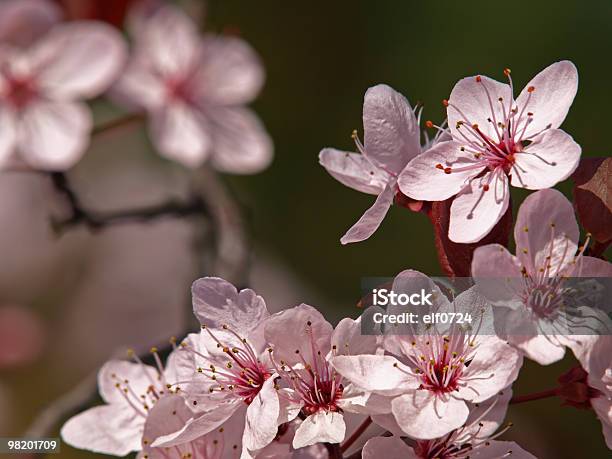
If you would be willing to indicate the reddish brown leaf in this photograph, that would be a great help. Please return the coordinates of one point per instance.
(456, 259)
(593, 196)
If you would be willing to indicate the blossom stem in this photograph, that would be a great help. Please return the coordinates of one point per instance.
(356, 434)
(535, 396)
(334, 450)
(118, 123)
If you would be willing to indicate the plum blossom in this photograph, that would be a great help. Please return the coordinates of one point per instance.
(302, 343)
(194, 89)
(477, 438)
(595, 355)
(430, 376)
(170, 414)
(129, 390)
(226, 367)
(43, 123)
(496, 140)
(531, 288)
(391, 140)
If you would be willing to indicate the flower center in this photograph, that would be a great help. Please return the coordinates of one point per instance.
(440, 361)
(243, 374)
(315, 382)
(20, 92)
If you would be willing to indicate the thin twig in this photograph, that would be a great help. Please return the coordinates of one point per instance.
(535, 396)
(356, 434)
(123, 121)
(47, 419)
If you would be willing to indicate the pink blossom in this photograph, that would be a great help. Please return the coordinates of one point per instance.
(496, 140)
(194, 89)
(129, 391)
(391, 139)
(170, 414)
(430, 377)
(531, 286)
(595, 355)
(302, 343)
(226, 366)
(477, 438)
(43, 122)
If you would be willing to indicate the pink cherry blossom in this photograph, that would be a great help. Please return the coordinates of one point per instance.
(129, 390)
(43, 122)
(226, 366)
(431, 376)
(170, 414)
(391, 140)
(497, 140)
(595, 355)
(477, 438)
(302, 345)
(194, 89)
(531, 286)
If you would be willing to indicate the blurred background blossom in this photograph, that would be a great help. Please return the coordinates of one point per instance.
(71, 299)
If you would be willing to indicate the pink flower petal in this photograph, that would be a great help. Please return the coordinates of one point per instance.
(240, 142)
(230, 72)
(592, 267)
(170, 40)
(22, 22)
(113, 371)
(496, 366)
(216, 302)
(139, 87)
(421, 179)
(78, 59)
(550, 159)
(391, 131)
(262, 415)
(422, 415)
(387, 447)
(181, 134)
(105, 429)
(383, 374)
(554, 89)
(353, 170)
(546, 226)
(347, 337)
(603, 408)
(54, 135)
(475, 212)
(8, 136)
(372, 218)
(287, 331)
(497, 273)
(321, 427)
(477, 102)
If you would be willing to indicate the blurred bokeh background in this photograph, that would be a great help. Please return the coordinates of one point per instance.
(69, 302)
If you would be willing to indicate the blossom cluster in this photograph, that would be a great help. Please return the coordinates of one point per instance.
(256, 384)
(194, 88)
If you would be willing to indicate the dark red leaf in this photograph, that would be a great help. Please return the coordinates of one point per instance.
(593, 197)
(456, 259)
